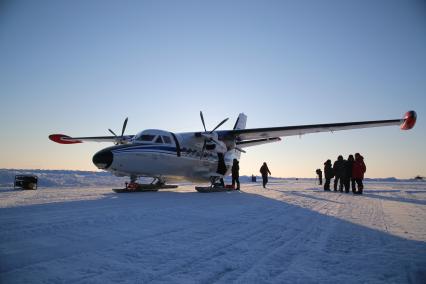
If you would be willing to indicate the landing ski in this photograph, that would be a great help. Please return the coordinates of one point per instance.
(143, 188)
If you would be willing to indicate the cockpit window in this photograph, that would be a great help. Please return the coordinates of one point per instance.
(159, 140)
(167, 139)
(146, 137)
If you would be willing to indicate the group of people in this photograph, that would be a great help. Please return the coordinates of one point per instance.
(346, 173)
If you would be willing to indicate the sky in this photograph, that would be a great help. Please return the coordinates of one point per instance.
(81, 67)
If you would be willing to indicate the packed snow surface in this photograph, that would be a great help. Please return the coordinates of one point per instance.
(291, 232)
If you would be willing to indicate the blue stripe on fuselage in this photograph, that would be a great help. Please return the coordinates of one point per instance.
(145, 148)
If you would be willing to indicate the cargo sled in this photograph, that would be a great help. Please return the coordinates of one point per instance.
(216, 188)
(25, 182)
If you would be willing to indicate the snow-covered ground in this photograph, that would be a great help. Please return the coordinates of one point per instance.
(292, 232)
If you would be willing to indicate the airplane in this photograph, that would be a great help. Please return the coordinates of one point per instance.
(198, 156)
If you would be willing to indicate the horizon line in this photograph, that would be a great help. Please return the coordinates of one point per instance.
(100, 171)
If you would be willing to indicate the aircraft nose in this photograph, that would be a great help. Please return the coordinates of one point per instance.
(103, 159)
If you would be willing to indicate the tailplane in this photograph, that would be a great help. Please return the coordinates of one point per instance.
(241, 122)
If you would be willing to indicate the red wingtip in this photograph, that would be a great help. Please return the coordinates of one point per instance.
(409, 120)
(63, 139)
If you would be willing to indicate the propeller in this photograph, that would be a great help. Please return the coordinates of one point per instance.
(210, 136)
(120, 139)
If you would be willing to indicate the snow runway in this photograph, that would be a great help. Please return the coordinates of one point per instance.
(291, 232)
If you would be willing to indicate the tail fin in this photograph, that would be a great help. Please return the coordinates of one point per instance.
(241, 122)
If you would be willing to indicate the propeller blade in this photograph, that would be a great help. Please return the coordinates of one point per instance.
(113, 133)
(119, 139)
(202, 120)
(225, 120)
(124, 127)
(202, 151)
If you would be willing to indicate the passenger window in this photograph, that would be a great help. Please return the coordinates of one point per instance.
(167, 139)
(159, 140)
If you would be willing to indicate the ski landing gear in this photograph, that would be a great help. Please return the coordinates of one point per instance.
(216, 185)
(133, 186)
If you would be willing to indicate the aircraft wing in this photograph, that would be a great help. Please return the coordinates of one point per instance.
(64, 139)
(270, 134)
(255, 142)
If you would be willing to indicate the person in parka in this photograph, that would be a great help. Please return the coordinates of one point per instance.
(347, 177)
(339, 171)
(319, 173)
(236, 174)
(358, 171)
(328, 175)
(264, 170)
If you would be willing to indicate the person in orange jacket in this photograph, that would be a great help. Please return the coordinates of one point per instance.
(358, 171)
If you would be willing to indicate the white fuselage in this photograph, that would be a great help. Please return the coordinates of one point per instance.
(168, 156)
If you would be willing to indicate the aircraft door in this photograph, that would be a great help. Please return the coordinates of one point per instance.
(221, 166)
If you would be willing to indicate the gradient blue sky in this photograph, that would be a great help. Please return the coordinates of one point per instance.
(81, 67)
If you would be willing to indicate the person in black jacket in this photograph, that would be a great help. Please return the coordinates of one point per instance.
(264, 170)
(328, 175)
(347, 176)
(339, 171)
(236, 174)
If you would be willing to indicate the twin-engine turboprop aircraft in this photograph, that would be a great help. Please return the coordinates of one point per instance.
(198, 156)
